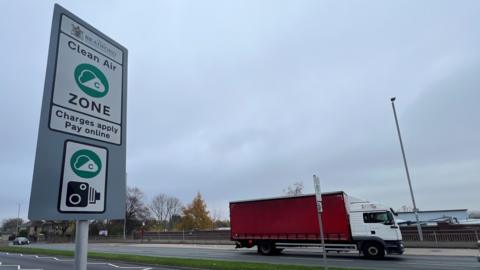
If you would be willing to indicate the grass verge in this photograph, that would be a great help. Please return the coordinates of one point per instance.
(166, 261)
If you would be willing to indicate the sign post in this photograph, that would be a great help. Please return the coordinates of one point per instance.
(81, 244)
(79, 171)
(318, 197)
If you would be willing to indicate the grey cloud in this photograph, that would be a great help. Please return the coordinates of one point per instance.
(240, 99)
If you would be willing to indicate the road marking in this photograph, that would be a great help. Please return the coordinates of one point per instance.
(15, 265)
(70, 260)
(122, 267)
(443, 265)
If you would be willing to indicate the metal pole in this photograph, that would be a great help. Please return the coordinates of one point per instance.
(415, 209)
(81, 245)
(125, 228)
(318, 195)
(18, 220)
(125, 215)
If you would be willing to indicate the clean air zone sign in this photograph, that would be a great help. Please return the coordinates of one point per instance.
(87, 93)
(80, 160)
(83, 178)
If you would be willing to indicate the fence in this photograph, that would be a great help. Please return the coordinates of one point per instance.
(432, 238)
(442, 238)
(193, 236)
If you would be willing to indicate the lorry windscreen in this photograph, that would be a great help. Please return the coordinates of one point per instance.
(379, 217)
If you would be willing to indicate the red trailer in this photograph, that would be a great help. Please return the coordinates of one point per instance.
(293, 221)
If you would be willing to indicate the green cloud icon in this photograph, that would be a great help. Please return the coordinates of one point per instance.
(85, 164)
(91, 80)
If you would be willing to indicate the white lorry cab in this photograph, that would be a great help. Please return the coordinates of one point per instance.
(374, 228)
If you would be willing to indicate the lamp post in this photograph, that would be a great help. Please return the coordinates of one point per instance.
(415, 210)
(318, 198)
(17, 232)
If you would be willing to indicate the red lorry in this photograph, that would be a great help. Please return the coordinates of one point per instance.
(349, 224)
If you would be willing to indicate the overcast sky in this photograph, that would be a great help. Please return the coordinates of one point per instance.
(240, 99)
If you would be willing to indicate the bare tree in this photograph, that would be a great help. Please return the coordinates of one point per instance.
(136, 211)
(295, 189)
(164, 207)
(174, 207)
(10, 225)
(158, 206)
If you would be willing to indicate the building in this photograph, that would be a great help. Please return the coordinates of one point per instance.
(453, 216)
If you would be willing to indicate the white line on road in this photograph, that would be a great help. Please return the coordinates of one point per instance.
(122, 267)
(440, 265)
(15, 265)
(70, 260)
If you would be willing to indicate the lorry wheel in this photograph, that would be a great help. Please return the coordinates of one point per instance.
(373, 250)
(266, 248)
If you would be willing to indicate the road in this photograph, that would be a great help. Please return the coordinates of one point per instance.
(289, 256)
(32, 262)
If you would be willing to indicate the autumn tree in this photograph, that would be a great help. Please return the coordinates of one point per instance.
(195, 215)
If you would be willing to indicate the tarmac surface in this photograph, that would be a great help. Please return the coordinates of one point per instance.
(39, 262)
(412, 259)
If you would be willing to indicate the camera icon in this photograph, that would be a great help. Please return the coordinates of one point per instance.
(80, 194)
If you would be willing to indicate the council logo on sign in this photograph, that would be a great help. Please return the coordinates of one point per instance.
(91, 80)
(85, 163)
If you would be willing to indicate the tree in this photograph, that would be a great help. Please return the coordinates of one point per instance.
(10, 224)
(158, 206)
(174, 222)
(174, 207)
(136, 211)
(221, 223)
(163, 208)
(294, 190)
(195, 215)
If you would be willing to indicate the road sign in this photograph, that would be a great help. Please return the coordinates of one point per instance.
(84, 178)
(87, 89)
(79, 169)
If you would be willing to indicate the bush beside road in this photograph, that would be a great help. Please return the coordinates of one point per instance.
(165, 261)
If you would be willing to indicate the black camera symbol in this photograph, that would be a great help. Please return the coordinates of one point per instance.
(80, 194)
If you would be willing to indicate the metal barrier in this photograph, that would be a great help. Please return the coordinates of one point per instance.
(443, 236)
(184, 236)
(432, 238)
(429, 235)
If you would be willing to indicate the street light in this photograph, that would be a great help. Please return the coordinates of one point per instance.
(415, 210)
(18, 220)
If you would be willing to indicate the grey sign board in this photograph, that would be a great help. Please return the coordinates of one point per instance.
(79, 171)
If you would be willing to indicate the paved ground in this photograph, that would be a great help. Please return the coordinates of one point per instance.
(31, 262)
(426, 258)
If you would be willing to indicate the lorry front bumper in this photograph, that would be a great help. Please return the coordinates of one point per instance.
(394, 247)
